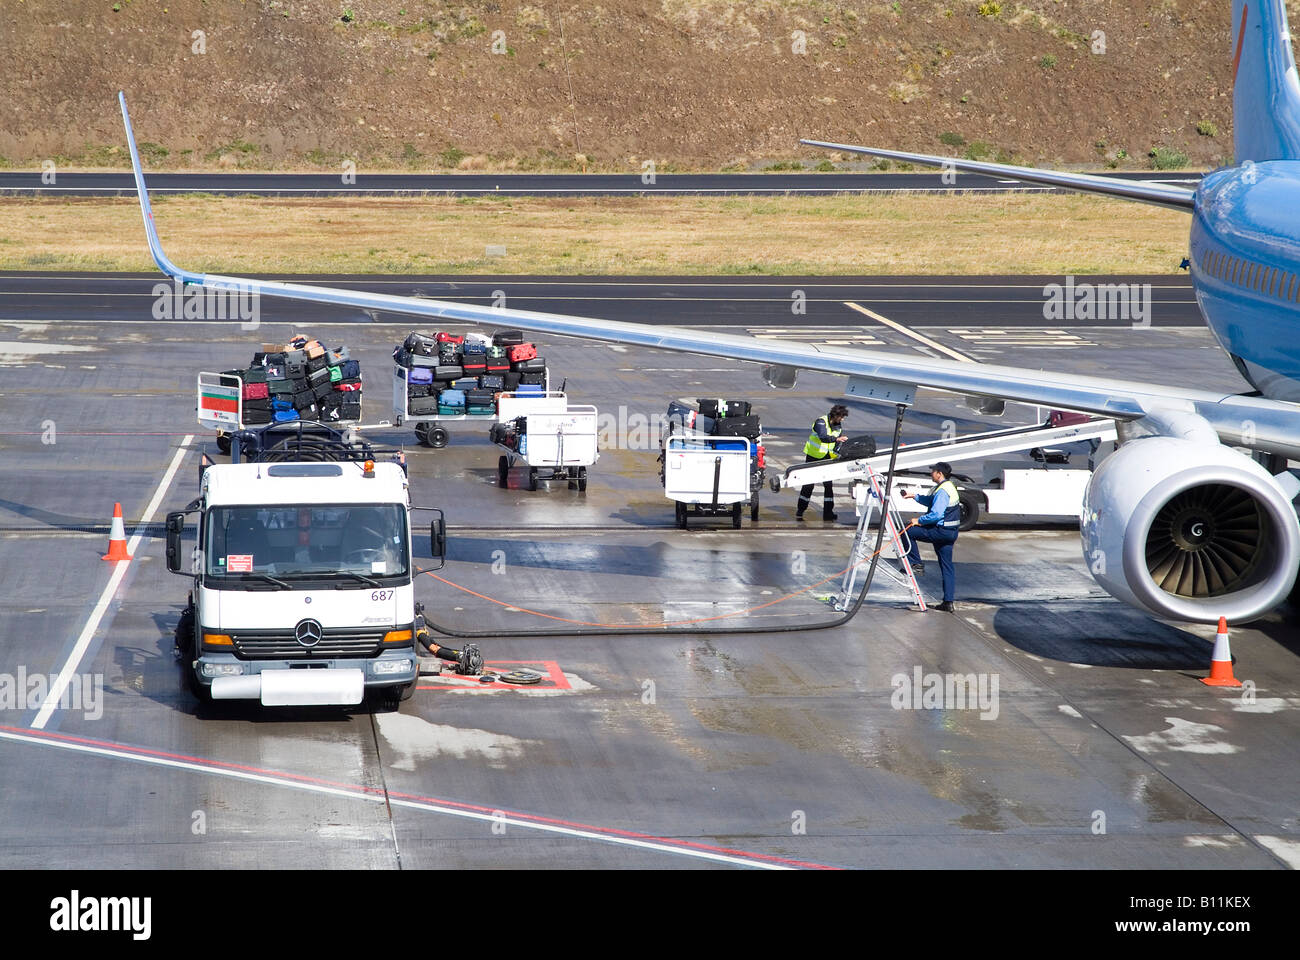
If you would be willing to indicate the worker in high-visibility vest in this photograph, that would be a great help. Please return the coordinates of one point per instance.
(938, 527)
(827, 434)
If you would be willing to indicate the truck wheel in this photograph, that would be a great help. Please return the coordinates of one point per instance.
(438, 437)
(503, 470)
(969, 501)
(532, 478)
(753, 508)
(572, 475)
(681, 515)
(422, 433)
(223, 443)
(582, 479)
(736, 514)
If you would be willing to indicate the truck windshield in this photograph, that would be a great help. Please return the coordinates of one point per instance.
(308, 541)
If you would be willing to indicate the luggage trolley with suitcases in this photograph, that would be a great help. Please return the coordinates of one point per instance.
(298, 380)
(712, 462)
(441, 377)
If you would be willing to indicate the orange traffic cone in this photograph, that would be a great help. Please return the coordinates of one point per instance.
(1221, 661)
(117, 538)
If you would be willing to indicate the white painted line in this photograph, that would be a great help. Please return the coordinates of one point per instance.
(910, 333)
(110, 590)
(273, 779)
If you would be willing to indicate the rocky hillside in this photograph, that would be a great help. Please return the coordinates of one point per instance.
(607, 84)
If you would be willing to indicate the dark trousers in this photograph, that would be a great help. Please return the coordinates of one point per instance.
(942, 538)
(805, 493)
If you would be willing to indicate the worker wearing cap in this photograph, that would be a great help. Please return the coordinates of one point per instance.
(824, 440)
(938, 527)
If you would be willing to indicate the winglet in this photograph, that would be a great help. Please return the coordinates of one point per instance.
(146, 211)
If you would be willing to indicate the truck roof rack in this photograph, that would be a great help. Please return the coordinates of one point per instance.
(307, 440)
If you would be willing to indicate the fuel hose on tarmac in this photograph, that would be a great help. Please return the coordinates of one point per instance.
(640, 630)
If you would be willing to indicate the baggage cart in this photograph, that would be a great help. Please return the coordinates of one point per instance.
(429, 427)
(554, 439)
(711, 476)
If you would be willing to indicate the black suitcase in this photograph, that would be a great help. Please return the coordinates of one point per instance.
(323, 389)
(507, 338)
(420, 360)
(255, 375)
(448, 372)
(316, 363)
(420, 390)
(535, 365)
(738, 427)
(857, 448)
(495, 352)
(321, 373)
(255, 417)
(295, 371)
(480, 397)
(474, 366)
(449, 353)
(511, 380)
(420, 344)
(534, 379)
(402, 356)
(492, 381)
(257, 405)
(303, 398)
(717, 408)
(421, 406)
(351, 410)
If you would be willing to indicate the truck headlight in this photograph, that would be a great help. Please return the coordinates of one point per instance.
(383, 668)
(222, 669)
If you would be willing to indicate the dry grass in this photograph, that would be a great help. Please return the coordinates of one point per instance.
(850, 234)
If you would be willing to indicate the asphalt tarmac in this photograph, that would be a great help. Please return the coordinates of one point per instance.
(1099, 750)
(16, 183)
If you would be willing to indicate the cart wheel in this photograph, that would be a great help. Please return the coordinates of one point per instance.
(438, 437)
(223, 443)
(969, 502)
(503, 470)
(532, 478)
(582, 479)
(753, 509)
(681, 515)
(735, 515)
(422, 433)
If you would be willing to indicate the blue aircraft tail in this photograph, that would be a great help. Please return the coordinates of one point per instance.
(1266, 92)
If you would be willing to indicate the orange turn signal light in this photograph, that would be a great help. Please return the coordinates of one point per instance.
(218, 640)
(397, 636)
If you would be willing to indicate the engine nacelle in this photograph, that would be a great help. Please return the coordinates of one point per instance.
(1189, 531)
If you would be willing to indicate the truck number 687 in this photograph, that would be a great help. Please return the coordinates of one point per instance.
(382, 594)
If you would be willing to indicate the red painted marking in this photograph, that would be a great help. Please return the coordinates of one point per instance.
(1241, 36)
(362, 789)
(550, 669)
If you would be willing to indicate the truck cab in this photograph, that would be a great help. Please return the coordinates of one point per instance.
(303, 589)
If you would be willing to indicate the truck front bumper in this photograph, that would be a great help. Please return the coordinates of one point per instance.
(288, 683)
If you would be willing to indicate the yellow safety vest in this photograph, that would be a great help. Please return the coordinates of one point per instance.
(815, 448)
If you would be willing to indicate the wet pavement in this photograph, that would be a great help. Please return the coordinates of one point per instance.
(1087, 740)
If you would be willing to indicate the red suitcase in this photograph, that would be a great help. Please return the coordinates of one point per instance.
(256, 391)
(444, 337)
(522, 351)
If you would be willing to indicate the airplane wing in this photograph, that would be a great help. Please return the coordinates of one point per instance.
(1160, 194)
(1248, 421)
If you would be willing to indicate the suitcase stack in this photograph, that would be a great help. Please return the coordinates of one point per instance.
(452, 375)
(300, 380)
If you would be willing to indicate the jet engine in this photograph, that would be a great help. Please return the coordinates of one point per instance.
(1189, 531)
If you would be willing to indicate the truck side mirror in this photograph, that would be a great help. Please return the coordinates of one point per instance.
(175, 527)
(438, 539)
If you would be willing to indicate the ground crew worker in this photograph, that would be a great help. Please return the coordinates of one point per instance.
(938, 527)
(822, 443)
